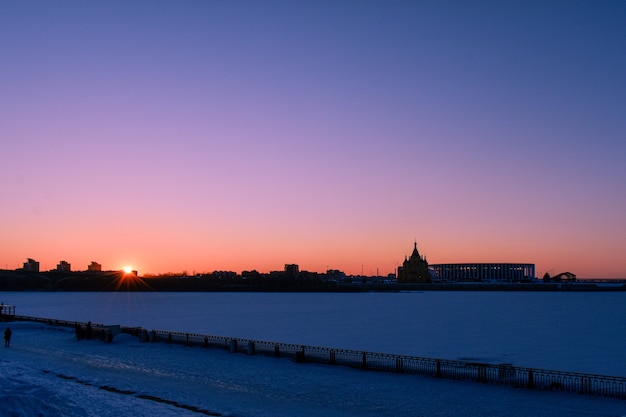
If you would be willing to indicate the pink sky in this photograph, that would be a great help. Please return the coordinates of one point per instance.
(234, 136)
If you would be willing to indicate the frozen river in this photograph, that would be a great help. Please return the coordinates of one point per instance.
(581, 332)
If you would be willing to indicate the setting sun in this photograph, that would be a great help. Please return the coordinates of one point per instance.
(127, 269)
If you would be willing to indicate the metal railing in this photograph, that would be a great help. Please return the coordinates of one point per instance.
(83, 330)
(7, 312)
(503, 374)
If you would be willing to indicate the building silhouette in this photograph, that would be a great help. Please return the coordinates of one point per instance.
(64, 267)
(414, 269)
(94, 266)
(483, 272)
(292, 271)
(31, 265)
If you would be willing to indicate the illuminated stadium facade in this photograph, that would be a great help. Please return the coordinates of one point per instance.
(482, 272)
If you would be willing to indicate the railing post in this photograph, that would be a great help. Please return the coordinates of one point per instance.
(206, 341)
(505, 371)
(398, 364)
(169, 337)
(187, 339)
(276, 350)
(251, 349)
(332, 357)
(438, 374)
(300, 355)
(364, 360)
(584, 385)
(482, 373)
(531, 379)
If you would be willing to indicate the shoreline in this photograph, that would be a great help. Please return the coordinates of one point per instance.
(118, 281)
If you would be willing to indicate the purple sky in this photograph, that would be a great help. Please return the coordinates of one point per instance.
(228, 135)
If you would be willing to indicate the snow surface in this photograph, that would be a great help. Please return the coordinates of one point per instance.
(47, 372)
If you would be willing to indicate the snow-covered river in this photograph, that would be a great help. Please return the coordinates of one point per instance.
(581, 332)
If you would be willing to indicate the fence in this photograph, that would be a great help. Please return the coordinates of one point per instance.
(83, 330)
(7, 312)
(504, 374)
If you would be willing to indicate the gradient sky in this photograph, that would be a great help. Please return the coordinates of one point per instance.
(236, 135)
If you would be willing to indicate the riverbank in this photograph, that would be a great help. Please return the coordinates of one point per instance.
(119, 281)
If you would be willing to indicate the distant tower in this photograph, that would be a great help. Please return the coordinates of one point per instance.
(414, 269)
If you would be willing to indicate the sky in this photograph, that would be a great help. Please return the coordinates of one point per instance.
(237, 135)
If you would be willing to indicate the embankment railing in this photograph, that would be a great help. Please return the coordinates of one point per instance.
(504, 374)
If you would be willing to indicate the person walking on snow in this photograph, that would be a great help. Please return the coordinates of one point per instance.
(7, 337)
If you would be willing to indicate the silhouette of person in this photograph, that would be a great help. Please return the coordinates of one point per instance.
(7, 337)
(88, 330)
(79, 331)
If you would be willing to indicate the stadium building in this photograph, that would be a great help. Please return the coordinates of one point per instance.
(482, 272)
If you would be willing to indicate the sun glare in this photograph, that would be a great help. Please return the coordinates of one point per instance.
(128, 269)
